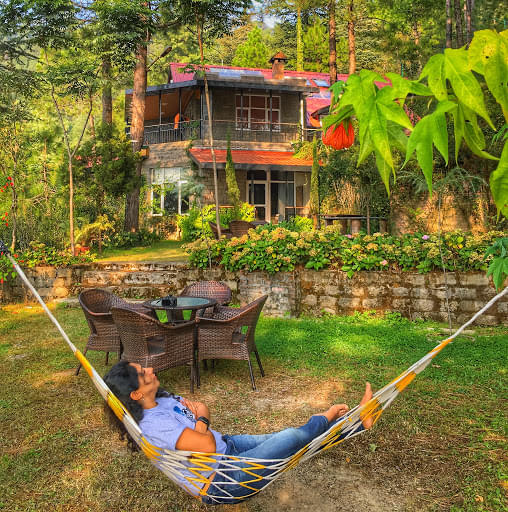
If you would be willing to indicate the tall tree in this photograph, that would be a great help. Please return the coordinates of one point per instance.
(253, 53)
(332, 41)
(316, 47)
(448, 7)
(351, 21)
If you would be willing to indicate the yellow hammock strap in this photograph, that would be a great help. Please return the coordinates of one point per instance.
(177, 465)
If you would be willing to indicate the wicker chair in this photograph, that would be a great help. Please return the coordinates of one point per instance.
(96, 305)
(224, 232)
(150, 343)
(240, 227)
(229, 334)
(217, 290)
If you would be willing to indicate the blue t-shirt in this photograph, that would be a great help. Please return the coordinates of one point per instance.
(163, 425)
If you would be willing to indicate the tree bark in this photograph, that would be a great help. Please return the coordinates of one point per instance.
(459, 33)
(448, 24)
(468, 20)
(416, 37)
(299, 40)
(351, 37)
(137, 132)
(332, 42)
(107, 97)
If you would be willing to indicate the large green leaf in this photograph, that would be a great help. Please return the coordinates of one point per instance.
(473, 134)
(458, 129)
(499, 182)
(430, 131)
(464, 83)
(488, 55)
(436, 77)
(401, 87)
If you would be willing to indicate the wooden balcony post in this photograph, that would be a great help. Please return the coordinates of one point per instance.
(271, 115)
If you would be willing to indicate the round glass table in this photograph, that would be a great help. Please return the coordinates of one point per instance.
(183, 303)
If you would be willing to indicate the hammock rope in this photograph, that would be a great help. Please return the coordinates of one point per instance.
(176, 465)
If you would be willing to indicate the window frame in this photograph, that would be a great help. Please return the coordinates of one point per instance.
(179, 182)
(239, 119)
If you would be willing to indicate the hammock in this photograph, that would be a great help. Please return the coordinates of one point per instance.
(177, 464)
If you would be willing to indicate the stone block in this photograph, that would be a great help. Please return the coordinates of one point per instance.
(59, 292)
(476, 279)
(332, 290)
(470, 305)
(310, 300)
(463, 293)
(329, 311)
(327, 302)
(376, 291)
(420, 293)
(502, 307)
(423, 305)
(416, 279)
(358, 292)
(400, 304)
(372, 303)
(400, 291)
(349, 303)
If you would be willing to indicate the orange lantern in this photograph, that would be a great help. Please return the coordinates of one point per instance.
(338, 138)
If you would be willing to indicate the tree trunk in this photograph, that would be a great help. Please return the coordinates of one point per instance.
(14, 204)
(71, 202)
(416, 37)
(299, 40)
(332, 42)
(107, 97)
(351, 37)
(137, 132)
(45, 176)
(468, 13)
(459, 33)
(199, 27)
(448, 24)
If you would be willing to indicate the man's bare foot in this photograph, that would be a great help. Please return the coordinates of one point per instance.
(336, 411)
(368, 421)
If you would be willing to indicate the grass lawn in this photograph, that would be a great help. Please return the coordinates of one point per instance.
(441, 445)
(164, 251)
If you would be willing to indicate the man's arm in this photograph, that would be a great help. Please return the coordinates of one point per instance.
(200, 439)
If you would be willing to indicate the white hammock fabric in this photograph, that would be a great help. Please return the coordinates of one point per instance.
(202, 465)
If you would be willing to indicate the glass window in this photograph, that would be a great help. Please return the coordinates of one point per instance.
(282, 176)
(168, 192)
(255, 114)
(256, 175)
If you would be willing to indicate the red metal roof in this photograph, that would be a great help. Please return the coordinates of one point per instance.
(250, 158)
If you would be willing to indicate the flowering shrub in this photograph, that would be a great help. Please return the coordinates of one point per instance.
(40, 254)
(279, 249)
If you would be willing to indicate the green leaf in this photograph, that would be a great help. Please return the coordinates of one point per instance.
(458, 129)
(435, 74)
(430, 131)
(488, 55)
(464, 83)
(499, 182)
(394, 112)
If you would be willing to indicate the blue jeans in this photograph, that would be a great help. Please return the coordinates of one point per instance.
(278, 445)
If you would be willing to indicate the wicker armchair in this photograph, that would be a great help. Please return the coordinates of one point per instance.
(150, 343)
(240, 227)
(217, 290)
(224, 232)
(96, 305)
(230, 334)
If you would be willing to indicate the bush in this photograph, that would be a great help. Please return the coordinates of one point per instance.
(194, 225)
(126, 239)
(279, 249)
(40, 254)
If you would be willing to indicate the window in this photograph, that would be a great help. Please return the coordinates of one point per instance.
(253, 112)
(167, 193)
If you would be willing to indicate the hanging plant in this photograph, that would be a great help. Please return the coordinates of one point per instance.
(340, 136)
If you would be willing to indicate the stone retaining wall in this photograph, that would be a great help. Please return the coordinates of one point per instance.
(306, 292)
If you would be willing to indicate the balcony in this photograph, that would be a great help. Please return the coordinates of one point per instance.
(249, 131)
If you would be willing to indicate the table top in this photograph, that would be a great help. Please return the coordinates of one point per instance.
(182, 303)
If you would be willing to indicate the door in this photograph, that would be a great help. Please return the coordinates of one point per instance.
(257, 188)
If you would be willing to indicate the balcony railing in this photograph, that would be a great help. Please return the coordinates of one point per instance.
(253, 131)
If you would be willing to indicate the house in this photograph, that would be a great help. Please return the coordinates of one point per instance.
(262, 111)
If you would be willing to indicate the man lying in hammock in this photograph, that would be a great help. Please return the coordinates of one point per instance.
(175, 423)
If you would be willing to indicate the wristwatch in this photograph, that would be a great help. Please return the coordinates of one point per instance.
(205, 420)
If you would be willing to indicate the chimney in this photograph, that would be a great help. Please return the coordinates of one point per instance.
(277, 62)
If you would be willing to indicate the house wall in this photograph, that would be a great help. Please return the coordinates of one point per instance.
(306, 292)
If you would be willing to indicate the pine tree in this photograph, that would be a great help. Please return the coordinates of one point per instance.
(315, 46)
(253, 53)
